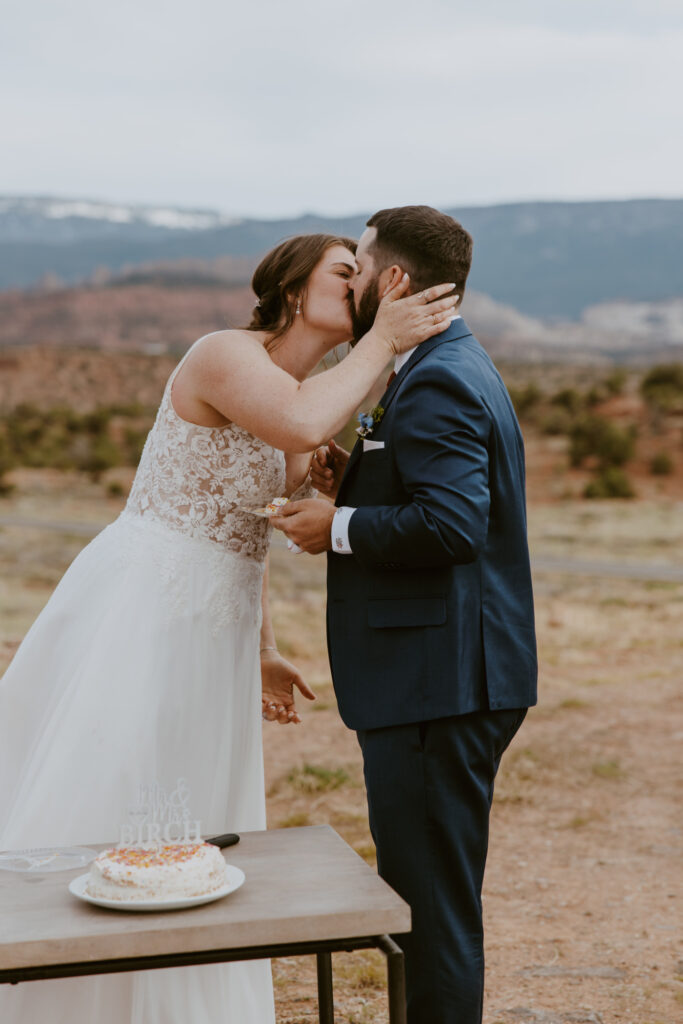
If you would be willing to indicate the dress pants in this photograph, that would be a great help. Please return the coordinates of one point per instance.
(430, 787)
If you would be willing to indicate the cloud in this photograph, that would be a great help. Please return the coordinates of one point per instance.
(274, 108)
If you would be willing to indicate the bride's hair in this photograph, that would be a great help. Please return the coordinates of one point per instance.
(281, 278)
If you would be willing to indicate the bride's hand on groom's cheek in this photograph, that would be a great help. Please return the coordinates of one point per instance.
(307, 523)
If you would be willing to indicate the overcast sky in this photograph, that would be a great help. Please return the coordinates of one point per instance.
(275, 107)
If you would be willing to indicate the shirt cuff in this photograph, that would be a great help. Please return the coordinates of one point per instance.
(340, 530)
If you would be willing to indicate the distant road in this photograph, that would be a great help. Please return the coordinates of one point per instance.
(626, 570)
(539, 563)
(73, 528)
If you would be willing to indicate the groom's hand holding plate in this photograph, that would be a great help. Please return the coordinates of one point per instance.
(307, 523)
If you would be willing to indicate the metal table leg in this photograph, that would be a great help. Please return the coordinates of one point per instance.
(325, 994)
(397, 979)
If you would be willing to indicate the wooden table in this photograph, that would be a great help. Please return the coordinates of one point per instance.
(305, 892)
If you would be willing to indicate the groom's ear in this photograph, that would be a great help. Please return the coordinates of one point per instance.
(389, 278)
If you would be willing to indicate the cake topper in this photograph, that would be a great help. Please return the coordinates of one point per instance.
(160, 817)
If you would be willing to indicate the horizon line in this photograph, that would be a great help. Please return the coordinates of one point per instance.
(143, 205)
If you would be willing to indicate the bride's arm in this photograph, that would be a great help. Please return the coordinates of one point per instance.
(235, 375)
(297, 466)
(278, 676)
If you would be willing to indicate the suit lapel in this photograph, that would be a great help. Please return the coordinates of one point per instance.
(457, 330)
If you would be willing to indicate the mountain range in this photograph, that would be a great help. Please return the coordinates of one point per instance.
(550, 259)
(559, 278)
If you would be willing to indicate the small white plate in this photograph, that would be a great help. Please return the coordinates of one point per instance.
(43, 859)
(262, 510)
(234, 879)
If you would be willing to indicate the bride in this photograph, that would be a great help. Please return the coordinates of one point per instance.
(144, 666)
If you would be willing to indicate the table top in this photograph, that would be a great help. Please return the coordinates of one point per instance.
(302, 885)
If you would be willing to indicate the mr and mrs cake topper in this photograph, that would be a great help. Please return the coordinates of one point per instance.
(160, 817)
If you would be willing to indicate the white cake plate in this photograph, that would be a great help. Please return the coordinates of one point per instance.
(42, 859)
(234, 879)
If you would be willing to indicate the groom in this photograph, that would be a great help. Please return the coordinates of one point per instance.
(430, 612)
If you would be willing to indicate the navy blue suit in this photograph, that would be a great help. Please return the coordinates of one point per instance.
(432, 646)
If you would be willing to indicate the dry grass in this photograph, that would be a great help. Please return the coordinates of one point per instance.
(586, 836)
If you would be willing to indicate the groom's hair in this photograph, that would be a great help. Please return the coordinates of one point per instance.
(430, 246)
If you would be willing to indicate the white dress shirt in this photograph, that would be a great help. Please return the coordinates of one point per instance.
(342, 517)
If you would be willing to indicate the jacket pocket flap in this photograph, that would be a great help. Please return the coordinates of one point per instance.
(395, 612)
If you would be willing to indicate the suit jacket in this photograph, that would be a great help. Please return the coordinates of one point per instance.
(432, 614)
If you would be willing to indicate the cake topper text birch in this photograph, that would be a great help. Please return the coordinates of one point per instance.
(160, 817)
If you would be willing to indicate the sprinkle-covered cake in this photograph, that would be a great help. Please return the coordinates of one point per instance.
(134, 874)
(274, 506)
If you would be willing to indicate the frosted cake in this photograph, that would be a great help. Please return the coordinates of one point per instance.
(136, 874)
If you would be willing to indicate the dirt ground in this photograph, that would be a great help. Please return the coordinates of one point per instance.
(584, 872)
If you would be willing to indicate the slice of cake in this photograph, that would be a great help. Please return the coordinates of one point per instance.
(136, 874)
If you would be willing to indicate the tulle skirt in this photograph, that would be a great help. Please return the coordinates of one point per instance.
(143, 667)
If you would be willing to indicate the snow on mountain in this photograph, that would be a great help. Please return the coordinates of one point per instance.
(49, 218)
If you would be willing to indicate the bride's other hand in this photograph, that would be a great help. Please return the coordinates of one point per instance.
(405, 322)
(327, 468)
(278, 679)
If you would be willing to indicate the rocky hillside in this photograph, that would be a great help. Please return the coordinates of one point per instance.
(159, 311)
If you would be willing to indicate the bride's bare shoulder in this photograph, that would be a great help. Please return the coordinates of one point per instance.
(222, 350)
(235, 337)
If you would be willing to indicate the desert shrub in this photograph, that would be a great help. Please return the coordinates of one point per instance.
(25, 411)
(53, 448)
(595, 395)
(6, 463)
(557, 421)
(57, 415)
(525, 399)
(115, 489)
(24, 429)
(134, 443)
(616, 381)
(316, 778)
(594, 435)
(617, 445)
(97, 454)
(661, 464)
(61, 438)
(662, 386)
(40, 437)
(569, 399)
(611, 482)
(97, 422)
(132, 410)
(73, 422)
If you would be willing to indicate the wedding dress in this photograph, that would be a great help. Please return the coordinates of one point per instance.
(144, 667)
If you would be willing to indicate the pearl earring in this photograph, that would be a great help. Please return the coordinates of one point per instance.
(298, 307)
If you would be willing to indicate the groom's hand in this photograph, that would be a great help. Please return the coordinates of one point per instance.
(307, 523)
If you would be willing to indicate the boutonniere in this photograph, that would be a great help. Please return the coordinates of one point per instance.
(369, 420)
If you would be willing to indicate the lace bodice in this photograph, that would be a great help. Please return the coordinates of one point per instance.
(196, 479)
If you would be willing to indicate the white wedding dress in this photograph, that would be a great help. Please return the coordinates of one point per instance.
(144, 667)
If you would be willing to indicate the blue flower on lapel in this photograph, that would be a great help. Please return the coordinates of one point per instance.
(369, 420)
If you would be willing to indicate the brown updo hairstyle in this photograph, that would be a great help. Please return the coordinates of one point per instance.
(282, 276)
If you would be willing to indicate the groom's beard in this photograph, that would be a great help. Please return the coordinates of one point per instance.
(364, 317)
